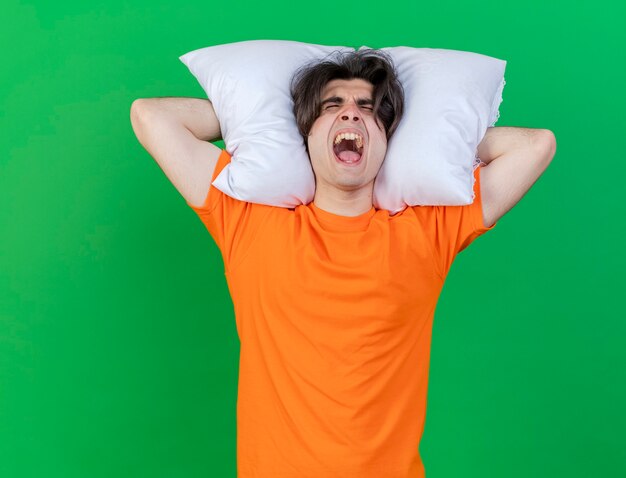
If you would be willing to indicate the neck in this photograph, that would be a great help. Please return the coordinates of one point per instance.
(344, 202)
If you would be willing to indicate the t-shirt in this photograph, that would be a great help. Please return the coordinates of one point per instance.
(334, 316)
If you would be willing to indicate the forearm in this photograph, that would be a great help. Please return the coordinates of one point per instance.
(195, 114)
(502, 139)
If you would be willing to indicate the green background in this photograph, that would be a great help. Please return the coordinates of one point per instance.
(118, 346)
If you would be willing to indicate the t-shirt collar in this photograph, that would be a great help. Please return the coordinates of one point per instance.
(337, 223)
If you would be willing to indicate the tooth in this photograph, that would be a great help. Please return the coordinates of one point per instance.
(351, 136)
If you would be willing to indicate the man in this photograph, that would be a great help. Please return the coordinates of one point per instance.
(334, 300)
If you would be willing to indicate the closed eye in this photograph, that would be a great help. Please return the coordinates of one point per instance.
(335, 106)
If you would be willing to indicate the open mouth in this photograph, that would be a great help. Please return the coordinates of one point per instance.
(348, 148)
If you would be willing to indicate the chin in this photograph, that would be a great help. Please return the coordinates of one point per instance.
(350, 183)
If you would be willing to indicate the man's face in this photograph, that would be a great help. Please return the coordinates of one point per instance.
(347, 106)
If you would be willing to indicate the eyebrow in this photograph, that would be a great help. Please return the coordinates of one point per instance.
(338, 99)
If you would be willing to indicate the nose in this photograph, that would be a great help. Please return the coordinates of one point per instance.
(351, 113)
(347, 117)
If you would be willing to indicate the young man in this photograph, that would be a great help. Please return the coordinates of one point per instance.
(334, 300)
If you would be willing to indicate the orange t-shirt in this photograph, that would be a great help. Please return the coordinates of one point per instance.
(334, 316)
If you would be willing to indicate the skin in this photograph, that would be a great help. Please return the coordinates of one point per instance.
(342, 189)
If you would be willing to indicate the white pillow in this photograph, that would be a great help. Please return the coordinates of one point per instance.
(451, 97)
(248, 85)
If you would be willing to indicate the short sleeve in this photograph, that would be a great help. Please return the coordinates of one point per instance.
(451, 229)
(231, 223)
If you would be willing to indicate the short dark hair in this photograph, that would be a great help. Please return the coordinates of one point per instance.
(368, 64)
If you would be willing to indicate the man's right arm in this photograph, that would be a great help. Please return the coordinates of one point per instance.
(176, 132)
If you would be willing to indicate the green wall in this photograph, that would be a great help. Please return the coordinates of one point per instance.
(118, 347)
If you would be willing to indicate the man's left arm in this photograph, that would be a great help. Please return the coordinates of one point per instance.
(515, 159)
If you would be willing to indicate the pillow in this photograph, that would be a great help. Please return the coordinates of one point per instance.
(451, 97)
(248, 85)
